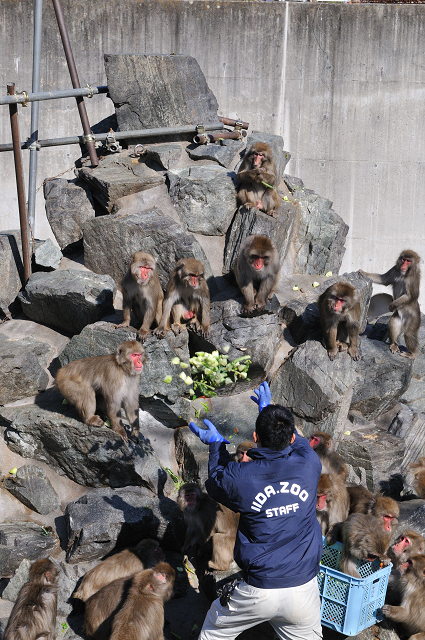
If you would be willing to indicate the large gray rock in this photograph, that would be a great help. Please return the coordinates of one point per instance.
(32, 487)
(68, 299)
(166, 155)
(69, 204)
(90, 456)
(107, 519)
(410, 426)
(23, 540)
(222, 152)
(204, 197)
(320, 239)
(151, 91)
(110, 241)
(251, 221)
(47, 255)
(23, 367)
(11, 270)
(165, 401)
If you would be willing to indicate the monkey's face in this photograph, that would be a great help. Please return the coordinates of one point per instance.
(404, 264)
(338, 304)
(189, 499)
(258, 261)
(414, 568)
(314, 441)
(403, 542)
(321, 501)
(258, 158)
(388, 521)
(137, 359)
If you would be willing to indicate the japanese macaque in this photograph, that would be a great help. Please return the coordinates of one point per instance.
(331, 461)
(187, 299)
(385, 509)
(256, 271)
(363, 539)
(411, 613)
(106, 383)
(142, 293)
(257, 179)
(206, 521)
(415, 477)
(34, 612)
(332, 502)
(121, 565)
(103, 606)
(407, 544)
(142, 615)
(241, 451)
(404, 277)
(339, 308)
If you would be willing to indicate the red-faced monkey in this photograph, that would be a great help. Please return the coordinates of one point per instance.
(142, 293)
(257, 179)
(363, 538)
(415, 477)
(331, 461)
(121, 565)
(411, 613)
(241, 451)
(404, 277)
(339, 308)
(383, 508)
(256, 270)
(406, 545)
(108, 382)
(187, 299)
(34, 612)
(332, 501)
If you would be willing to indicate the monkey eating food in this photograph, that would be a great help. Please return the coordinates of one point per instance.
(257, 179)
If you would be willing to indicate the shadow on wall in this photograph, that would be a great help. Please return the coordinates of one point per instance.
(379, 305)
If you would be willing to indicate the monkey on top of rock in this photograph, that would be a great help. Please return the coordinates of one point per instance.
(279, 542)
(339, 309)
(257, 179)
(256, 271)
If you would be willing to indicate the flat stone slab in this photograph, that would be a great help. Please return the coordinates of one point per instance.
(32, 487)
(222, 152)
(69, 204)
(23, 367)
(23, 540)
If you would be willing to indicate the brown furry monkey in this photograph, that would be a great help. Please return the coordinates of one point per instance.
(142, 293)
(34, 612)
(332, 502)
(256, 271)
(411, 613)
(385, 509)
(363, 538)
(108, 382)
(339, 308)
(121, 565)
(407, 544)
(241, 451)
(257, 179)
(187, 299)
(331, 461)
(415, 477)
(405, 278)
(208, 520)
(142, 615)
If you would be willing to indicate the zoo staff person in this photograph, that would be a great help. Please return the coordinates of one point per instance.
(279, 542)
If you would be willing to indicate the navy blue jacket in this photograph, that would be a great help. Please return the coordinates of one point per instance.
(279, 541)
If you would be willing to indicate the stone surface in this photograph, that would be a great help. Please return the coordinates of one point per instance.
(90, 456)
(32, 487)
(320, 239)
(119, 175)
(68, 299)
(47, 255)
(11, 270)
(151, 91)
(23, 367)
(23, 540)
(252, 221)
(110, 241)
(167, 155)
(222, 152)
(109, 519)
(69, 204)
(204, 197)
(410, 426)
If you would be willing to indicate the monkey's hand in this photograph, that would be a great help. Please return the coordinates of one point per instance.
(208, 435)
(263, 396)
(387, 610)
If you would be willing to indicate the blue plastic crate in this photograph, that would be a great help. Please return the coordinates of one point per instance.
(349, 604)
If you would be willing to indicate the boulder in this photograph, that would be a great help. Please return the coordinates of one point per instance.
(11, 271)
(23, 371)
(204, 197)
(151, 91)
(68, 299)
(222, 152)
(32, 487)
(108, 519)
(69, 204)
(90, 456)
(409, 425)
(23, 540)
(166, 155)
(47, 255)
(111, 241)
(119, 175)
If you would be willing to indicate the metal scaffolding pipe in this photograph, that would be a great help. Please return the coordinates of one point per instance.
(215, 137)
(35, 108)
(24, 98)
(119, 135)
(89, 140)
(13, 111)
(234, 123)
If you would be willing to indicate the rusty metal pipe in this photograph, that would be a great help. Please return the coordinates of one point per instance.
(233, 123)
(89, 139)
(223, 135)
(13, 111)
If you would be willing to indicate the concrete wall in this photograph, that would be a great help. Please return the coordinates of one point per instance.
(343, 83)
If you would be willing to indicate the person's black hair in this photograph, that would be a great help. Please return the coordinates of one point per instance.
(275, 427)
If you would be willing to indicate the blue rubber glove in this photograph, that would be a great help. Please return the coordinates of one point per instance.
(263, 397)
(208, 435)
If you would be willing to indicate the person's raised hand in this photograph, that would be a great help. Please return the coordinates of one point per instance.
(263, 396)
(208, 435)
